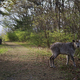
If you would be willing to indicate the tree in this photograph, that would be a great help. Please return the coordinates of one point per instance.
(44, 16)
(25, 24)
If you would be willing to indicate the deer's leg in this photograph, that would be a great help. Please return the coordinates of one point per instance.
(68, 57)
(73, 60)
(52, 60)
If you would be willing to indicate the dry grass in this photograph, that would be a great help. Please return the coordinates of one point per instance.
(31, 63)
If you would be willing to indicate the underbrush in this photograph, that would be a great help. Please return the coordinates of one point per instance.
(40, 38)
(78, 53)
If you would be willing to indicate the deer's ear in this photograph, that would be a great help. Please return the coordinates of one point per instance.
(73, 40)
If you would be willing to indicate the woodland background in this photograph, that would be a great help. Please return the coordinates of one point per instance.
(31, 26)
(41, 22)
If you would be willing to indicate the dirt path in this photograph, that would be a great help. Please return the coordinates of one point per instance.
(21, 63)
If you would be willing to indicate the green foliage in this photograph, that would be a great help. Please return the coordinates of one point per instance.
(24, 24)
(0, 37)
(11, 36)
(17, 36)
(78, 53)
(21, 35)
(37, 39)
(60, 36)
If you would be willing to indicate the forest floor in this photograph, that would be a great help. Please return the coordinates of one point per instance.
(26, 62)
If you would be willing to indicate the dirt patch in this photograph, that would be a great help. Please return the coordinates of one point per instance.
(21, 63)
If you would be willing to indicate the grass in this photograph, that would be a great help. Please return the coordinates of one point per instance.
(26, 62)
(39, 50)
(3, 49)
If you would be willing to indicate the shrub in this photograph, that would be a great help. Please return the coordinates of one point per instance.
(21, 35)
(58, 36)
(11, 36)
(37, 38)
(16, 36)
